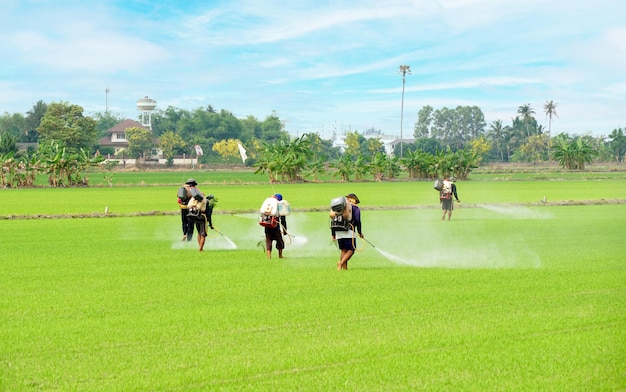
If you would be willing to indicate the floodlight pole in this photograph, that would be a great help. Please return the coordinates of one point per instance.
(404, 69)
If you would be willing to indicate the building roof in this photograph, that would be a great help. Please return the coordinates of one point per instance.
(119, 128)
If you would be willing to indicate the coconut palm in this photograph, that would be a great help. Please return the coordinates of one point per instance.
(550, 109)
(527, 113)
(497, 136)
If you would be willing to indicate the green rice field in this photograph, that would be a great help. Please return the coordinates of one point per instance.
(523, 290)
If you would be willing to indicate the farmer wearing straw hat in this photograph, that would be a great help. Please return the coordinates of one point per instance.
(198, 212)
(183, 200)
(346, 239)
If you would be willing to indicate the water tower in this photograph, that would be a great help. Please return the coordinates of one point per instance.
(146, 105)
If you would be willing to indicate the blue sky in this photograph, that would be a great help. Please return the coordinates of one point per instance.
(321, 66)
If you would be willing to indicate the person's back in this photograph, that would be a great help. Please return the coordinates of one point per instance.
(446, 189)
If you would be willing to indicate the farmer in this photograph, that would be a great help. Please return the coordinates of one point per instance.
(275, 234)
(182, 202)
(448, 191)
(345, 239)
(197, 213)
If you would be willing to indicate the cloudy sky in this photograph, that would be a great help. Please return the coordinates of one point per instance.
(320, 65)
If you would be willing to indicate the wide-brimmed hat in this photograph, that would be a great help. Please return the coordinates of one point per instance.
(353, 196)
(191, 182)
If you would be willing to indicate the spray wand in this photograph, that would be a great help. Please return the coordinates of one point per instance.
(372, 245)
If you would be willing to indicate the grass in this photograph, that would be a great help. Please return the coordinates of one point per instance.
(507, 296)
(306, 196)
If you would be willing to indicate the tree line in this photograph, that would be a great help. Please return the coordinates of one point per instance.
(63, 143)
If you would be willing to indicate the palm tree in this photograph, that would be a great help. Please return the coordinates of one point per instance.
(527, 113)
(404, 69)
(550, 109)
(496, 135)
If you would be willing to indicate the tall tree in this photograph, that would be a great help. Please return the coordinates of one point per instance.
(526, 112)
(169, 142)
(617, 144)
(424, 120)
(140, 142)
(404, 70)
(106, 121)
(33, 120)
(496, 136)
(65, 123)
(550, 109)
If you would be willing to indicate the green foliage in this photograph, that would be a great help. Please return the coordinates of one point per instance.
(617, 144)
(169, 142)
(573, 153)
(344, 167)
(419, 164)
(106, 121)
(140, 142)
(65, 167)
(65, 124)
(451, 127)
(361, 168)
(8, 143)
(285, 159)
(535, 150)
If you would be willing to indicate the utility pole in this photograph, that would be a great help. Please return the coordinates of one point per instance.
(106, 93)
(404, 69)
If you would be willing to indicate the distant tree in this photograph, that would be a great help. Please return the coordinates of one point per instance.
(418, 163)
(228, 149)
(481, 147)
(250, 128)
(375, 146)
(462, 162)
(496, 135)
(287, 159)
(272, 129)
(361, 167)
(572, 153)
(33, 120)
(353, 144)
(344, 167)
(63, 166)
(106, 121)
(379, 166)
(423, 124)
(428, 144)
(169, 142)
(456, 127)
(526, 112)
(322, 147)
(140, 142)
(617, 144)
(15, 125)
(550, 109)
(8, 143)
(65, 123)
(535, 149)
(316, 168)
